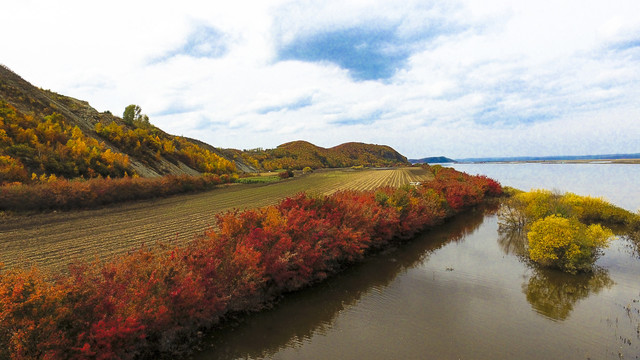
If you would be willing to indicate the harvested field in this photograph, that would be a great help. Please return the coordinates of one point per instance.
(55, 239)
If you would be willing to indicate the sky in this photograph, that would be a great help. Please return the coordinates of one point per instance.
(455, 78)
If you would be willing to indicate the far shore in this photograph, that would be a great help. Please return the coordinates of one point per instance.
(585, 161)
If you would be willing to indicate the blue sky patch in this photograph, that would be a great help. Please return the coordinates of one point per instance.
(364, 120)
(295, 105)
(368, 53)
(177, 109)
(626, 45)
(203, 42)
(493, 115)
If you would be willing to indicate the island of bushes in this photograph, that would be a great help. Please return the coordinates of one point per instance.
(564, 231)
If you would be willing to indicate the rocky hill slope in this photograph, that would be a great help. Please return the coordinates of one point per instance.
(43, 133)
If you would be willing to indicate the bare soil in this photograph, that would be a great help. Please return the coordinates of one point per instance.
(53, 240)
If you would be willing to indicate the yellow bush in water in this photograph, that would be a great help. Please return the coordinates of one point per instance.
(566, 243)
(524, 208)
(542, 203)
(591, 210)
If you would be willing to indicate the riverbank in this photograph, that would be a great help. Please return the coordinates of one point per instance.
(154, 302)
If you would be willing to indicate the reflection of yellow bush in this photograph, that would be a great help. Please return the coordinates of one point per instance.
(554, 294)
(566, 243)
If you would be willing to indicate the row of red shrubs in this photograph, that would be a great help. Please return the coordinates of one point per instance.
(64, 194)
(152, 303)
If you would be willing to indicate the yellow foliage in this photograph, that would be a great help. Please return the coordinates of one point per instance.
(524, 208)
(3, 136)
(167, 147)
(272, 218)
(76, 133)
(11, 170)
(541, 203)
(566, 243)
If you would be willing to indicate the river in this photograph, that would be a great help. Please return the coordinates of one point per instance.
(462, 292)
(616, 183)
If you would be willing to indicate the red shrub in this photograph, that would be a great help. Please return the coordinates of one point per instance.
(154, 301)
(74, 194)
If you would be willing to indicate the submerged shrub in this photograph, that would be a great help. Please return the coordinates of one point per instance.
(524, 208)
(590, 210)
(565, 243)
(556, 226)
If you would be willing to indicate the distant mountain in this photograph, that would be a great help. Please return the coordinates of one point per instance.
(301, 154)
(553, 158)
(432, 160)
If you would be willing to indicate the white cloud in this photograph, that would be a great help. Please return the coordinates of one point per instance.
(490, 78)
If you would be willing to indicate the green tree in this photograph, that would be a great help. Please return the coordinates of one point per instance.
(133, 116)
(142, 121)
(131, 113)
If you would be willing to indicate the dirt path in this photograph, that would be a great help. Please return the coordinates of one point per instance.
(55, 239)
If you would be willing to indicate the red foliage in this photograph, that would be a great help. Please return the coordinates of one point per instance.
(462, 190)
(74, 194)
(155, 301)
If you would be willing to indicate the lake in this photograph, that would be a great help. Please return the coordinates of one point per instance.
(616, 183)
(462, 292)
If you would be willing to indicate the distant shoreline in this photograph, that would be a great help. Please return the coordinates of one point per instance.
(567, 159)
(571, 161)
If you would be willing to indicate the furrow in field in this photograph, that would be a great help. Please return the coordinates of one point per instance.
(55, 239)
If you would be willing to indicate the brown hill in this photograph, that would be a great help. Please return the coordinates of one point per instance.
(301, 154)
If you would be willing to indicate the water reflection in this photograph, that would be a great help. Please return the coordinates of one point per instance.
(513, 242)
(553, 293)
(633, 238)
(303, 314)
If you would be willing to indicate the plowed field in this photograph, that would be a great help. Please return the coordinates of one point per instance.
(55, 239)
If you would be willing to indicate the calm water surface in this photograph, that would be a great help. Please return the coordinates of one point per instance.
(617, 183)
(457, 292)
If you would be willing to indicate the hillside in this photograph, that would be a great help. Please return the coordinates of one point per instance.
(301, 154)
(43, 133)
